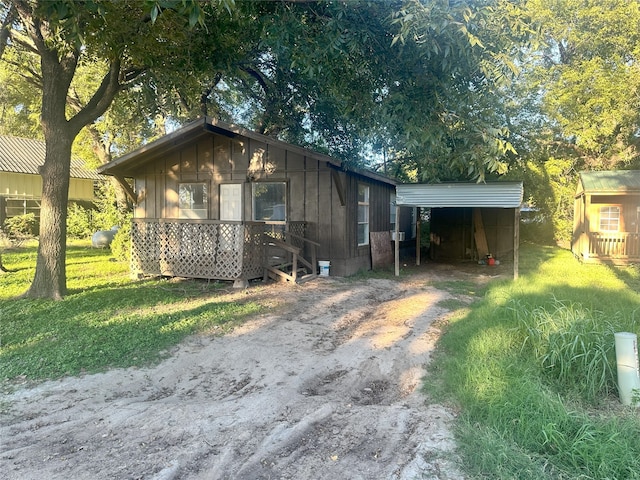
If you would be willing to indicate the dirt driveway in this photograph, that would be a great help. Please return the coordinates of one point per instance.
(323, 386)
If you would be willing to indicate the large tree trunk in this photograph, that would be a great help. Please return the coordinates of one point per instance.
(50, 278)
(58, 65)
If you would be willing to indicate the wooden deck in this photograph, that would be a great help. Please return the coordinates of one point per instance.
(216, 250)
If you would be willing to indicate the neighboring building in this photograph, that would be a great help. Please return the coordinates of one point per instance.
(21, 183)
(205, 194)
(606, 218)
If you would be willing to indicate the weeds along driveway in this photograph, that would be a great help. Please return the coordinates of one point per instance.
(325, 386)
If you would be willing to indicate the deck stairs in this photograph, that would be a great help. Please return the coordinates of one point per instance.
(291, 259)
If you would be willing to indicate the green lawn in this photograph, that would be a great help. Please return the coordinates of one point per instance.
(531, 366)
(106, 320)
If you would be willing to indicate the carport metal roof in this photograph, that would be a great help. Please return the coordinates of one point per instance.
(490, 194)
(460, 195)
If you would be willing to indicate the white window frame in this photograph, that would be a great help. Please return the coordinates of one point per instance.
(609, 220)
(363, 214)
(187, 201)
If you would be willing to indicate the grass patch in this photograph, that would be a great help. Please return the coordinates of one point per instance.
(106, 320)
(532, 368)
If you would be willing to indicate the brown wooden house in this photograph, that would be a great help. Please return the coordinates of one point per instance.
(206, 194)
(606, 219)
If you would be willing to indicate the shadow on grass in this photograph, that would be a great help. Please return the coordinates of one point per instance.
(514, 406)
(108, 328)
(629, 274)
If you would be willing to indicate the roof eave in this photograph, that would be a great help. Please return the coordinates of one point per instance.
(206, 125)
(118, 165)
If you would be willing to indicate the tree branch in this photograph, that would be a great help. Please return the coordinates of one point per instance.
(23, 42)
(101, 99)
(33, 77)
(256, 76)
(5, 29)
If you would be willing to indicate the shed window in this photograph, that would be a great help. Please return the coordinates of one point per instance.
(363, 214)
(270, 201)
(193, 200)
(609, 219)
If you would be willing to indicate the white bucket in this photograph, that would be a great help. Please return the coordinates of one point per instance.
(324, 268)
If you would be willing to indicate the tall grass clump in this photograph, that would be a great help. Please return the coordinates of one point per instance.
(573, 346)
(531, 368)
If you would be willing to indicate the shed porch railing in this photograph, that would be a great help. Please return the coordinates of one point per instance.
(211, 249)
(623, 245)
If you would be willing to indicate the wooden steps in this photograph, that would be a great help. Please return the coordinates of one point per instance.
(284, 261)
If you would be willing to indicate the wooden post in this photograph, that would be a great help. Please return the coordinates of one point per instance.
(3, 210)
(397, 242)
(516, 242)
(418, 229)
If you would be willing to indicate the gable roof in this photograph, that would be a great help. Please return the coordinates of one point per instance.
(25, 155)
(126, 164)
(460, 194)
(609, 182)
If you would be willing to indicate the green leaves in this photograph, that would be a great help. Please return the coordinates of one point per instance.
(588, 74)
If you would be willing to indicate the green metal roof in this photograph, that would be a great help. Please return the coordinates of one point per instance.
(25, 155)
(610, 181)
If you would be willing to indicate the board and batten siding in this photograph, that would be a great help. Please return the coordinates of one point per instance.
(629, 212)
(312, 191)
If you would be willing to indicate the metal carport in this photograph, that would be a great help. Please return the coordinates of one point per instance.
(507, 195)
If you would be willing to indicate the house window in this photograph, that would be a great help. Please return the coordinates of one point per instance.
(193, 200)
(392, 211)
(363, 214)
(270, 201)
(609, 219)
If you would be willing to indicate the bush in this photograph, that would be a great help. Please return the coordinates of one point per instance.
(121, 244)
(79, 222)
(21, 227)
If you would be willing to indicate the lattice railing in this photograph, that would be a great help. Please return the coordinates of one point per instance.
(197, 249)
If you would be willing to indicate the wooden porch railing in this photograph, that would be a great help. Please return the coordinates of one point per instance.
(614, 245)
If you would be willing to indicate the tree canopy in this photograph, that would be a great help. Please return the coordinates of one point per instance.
(48, 43)
(419, 89)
